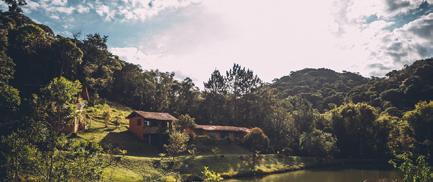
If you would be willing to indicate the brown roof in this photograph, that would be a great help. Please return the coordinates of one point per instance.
(221, 128)
(162, 116)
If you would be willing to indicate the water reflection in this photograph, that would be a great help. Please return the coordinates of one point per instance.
(343, 175)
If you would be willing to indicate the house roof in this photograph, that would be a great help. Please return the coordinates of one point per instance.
(221, 128)
(162, 116)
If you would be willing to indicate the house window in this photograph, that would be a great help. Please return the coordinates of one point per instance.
(146, 123)
(224, 135)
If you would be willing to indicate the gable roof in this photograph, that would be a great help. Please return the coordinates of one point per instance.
(222, 128)
(162, 116)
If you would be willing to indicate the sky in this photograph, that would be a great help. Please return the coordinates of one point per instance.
(274, 37)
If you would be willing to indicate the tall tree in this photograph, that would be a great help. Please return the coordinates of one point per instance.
(216, 83)
(57, 104)
(68, 58)
(98, 65)
(27, 47)
(241, 81)
(10, 99)
(420, 121)
(7, 68)
(185, 97)
(355, 127)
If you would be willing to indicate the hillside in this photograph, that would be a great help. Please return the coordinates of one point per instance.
(323, 88)
(400, 90)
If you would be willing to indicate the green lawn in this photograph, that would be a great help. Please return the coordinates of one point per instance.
(120, 174)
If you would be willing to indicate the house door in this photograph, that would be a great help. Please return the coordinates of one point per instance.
(147, 138)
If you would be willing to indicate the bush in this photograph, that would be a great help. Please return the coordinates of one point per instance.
(420, 121)
(185, 121)
(178, 143)
(413, 170)
(211, 176)
(256, 140)
(317, 143)
(355, 126)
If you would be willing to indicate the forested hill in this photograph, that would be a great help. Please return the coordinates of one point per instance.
(398, 91)
(324, 88)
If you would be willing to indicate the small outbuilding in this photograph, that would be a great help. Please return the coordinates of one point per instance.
(151, 127)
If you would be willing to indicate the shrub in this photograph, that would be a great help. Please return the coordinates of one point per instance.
(211, 176)
(185, 121)
(256, 140)
(178, 143)
(317, 143)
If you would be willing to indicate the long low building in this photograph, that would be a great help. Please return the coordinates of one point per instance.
(218, 132)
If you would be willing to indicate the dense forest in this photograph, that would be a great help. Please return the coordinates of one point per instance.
(310, 112)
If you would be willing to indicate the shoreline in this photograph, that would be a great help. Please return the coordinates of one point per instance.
(331, 164)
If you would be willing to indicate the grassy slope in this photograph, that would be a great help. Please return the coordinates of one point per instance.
(126, 170)
(140, 159)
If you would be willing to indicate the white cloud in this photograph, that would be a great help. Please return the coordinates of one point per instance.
(270, 37)
(32, 5)
(82, 9)
(59, 2)
(132, 54)
(123, 10)
(106, 12)
(55, 17)
(274, 38)
(137, 10)
(391, 48)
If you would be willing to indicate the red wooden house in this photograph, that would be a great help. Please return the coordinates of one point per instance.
(151, 127)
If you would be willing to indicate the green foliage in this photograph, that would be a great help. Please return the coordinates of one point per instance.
(240, 81)
(69, 58)
(178, 143)
(256, 140)
(228, 98)
(303, 114)
(401, 89)
(58, 103)
(65, 160)
(211, 176)
(184, 121)
(28, 38)
(216, 83)
(153, 91)
(318, 143)
(7, 68)
(282, 132)
(413, 169)
(323, 88)
(420, 121)
(99, 65)
(355, 127)
(9, 99)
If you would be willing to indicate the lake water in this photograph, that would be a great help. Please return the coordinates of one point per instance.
(341, 175)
